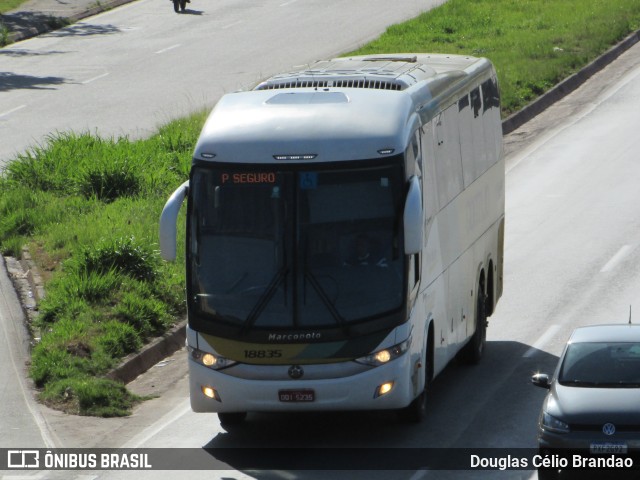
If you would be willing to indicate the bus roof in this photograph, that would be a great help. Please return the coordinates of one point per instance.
(341, 109)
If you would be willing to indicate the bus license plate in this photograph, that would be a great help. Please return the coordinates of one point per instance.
(608, 447)
(296, 395)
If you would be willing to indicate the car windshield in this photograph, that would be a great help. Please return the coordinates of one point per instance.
(601, 365)
(296, 249)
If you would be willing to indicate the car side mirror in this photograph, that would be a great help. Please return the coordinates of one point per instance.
(541, 380)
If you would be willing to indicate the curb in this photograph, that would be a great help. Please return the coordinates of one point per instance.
(159, 349)
(45, 28)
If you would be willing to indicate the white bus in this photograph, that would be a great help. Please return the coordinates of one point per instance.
(345, 228)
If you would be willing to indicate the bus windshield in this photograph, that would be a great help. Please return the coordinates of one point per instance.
(298, 249)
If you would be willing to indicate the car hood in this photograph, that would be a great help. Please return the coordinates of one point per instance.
(592, 406)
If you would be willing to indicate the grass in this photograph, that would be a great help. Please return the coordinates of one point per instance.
(6, 5)
(533, 44)
(88, 207)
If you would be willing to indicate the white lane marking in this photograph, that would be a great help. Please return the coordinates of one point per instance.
(95, 78)
(171, 417)
(232, 24)
(542, 341)
(9, 112)
(617, 258)
(169, 48)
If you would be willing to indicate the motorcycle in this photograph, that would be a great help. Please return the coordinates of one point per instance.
(180, 5)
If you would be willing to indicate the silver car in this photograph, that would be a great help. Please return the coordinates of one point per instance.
(591, 415)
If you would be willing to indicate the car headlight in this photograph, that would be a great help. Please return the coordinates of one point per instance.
(385, 355)
(552, 424)
(210, 360)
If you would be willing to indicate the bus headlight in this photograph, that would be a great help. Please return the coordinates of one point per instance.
(385, 355)
(209, 360)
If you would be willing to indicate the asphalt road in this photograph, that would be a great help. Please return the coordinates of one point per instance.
(129, 70)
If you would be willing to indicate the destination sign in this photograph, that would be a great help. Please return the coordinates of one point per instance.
(249, 177)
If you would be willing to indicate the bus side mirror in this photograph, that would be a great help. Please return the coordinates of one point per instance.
(413, 222)
(169, 221)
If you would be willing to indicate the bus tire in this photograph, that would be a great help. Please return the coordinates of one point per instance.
(417, 409)
(231, 418)
(475, 348)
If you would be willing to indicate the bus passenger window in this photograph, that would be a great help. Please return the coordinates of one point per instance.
(463, 103)
(490, 95)
(476, 101)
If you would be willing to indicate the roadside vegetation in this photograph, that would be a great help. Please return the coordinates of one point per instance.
(87, 208)
(534, 44)
(6, 5)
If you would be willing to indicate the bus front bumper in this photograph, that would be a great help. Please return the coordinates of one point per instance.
(355, 392)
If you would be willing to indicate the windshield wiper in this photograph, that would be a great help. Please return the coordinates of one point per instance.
(324, 297)
(265, 298)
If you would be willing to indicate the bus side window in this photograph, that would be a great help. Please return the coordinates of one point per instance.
(413, 155)
(490, 94)
(463, 103)
(414, 277)
(476, 101)
(448, 161)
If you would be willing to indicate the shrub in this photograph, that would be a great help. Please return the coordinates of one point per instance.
(118, 339)
(147, 315)
(55, 307)
(90, 396)
(50, 364)
(91, 286)
(109, 182)
(124, 255)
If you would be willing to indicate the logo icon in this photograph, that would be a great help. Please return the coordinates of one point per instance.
(296, 372)
(608, 429)
(23, 459)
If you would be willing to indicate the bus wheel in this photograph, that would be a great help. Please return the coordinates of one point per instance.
(231, 418)
(416, 410)
(475, 348)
